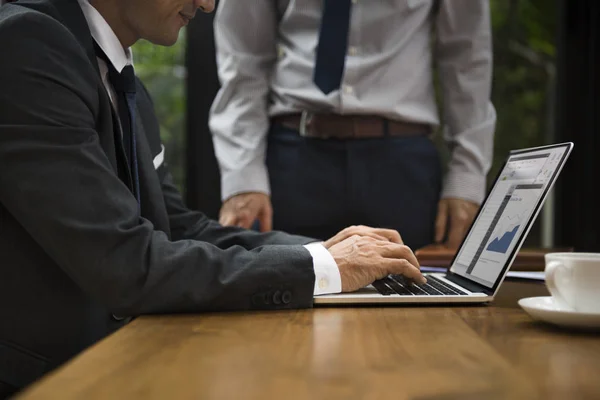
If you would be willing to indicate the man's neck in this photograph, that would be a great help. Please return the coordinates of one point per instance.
(111, 12)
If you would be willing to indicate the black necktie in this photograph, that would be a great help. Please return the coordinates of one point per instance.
(124, 85)
(333, 44)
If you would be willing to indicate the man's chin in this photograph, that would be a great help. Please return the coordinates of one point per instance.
(167, 40)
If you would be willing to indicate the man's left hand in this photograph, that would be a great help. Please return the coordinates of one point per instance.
(454, 216)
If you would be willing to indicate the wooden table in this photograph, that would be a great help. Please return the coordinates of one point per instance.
(475, 352)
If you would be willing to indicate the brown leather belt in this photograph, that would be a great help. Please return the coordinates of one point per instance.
(335, 126)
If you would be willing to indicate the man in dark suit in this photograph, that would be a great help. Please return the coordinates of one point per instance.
(92, 229)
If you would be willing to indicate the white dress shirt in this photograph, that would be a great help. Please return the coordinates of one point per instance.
(327, 274)
(266, 55)
(106, 39)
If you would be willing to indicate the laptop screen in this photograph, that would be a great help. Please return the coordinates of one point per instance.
(508, 212)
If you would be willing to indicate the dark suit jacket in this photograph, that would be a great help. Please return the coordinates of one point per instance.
(74, 249)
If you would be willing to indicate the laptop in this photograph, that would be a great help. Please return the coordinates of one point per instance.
(489, 248)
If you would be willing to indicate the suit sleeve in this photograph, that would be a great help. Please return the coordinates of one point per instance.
(56, 180)
(189, 224)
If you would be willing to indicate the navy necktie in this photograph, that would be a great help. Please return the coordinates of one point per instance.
(124, 85)
(333, 44)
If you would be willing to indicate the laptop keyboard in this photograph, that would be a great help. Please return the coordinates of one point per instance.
(398, 284)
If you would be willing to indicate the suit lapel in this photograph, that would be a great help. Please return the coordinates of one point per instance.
(152, 199)
(123, 168)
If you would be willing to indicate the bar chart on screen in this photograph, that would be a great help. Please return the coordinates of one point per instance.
(501, 244)
(508, 225)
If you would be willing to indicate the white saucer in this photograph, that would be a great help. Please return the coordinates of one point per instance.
(548, 310)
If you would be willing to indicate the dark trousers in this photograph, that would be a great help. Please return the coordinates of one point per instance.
(319, 186)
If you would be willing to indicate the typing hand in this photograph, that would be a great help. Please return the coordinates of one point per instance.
(245, 208)
(362, 260)
(365, 231)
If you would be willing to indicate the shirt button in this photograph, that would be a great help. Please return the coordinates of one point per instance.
(348, 89)
(352, 50)
(323, 283)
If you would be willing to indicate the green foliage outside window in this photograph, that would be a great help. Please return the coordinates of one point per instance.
(162, 69)
(524, 74)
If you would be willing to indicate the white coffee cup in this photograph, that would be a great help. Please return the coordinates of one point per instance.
(573, 279)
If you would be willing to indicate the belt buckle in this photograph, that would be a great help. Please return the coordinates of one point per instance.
(305, 119)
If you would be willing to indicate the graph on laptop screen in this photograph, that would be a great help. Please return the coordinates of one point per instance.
(505, 214)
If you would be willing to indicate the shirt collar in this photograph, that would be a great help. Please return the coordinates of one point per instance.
(105, 37)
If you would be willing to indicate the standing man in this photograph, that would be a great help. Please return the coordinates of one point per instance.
(326, 109)
(92, 229)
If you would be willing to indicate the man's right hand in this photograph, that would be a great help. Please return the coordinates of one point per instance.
(362, 260)
(245, 208)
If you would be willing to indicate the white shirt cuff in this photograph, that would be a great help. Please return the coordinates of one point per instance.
(252, 178)
(327, 273)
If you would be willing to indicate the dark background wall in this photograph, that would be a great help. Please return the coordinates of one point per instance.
(203, 186)
(577, 216)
